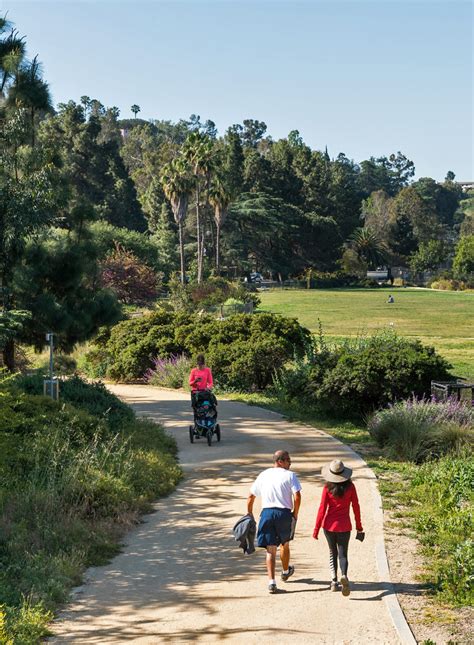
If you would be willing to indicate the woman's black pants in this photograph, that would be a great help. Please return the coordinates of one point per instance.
(338, 547)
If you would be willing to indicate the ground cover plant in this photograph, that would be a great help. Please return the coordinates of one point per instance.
(72, 479)
(417, 430)
(445, 524)
(440, 319)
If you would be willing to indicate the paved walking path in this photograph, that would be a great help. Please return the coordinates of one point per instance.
(181, 577)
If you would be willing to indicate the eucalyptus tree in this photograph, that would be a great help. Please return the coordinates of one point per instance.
(199, 150)
(177, 182)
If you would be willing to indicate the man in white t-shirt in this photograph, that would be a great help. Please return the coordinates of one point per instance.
(279, 489)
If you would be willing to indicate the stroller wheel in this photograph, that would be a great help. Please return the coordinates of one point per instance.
(218, 432)
(191, 434)
(209, 437)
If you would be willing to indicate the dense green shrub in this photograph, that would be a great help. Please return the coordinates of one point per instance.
(463, 264)
(416, 430)
(444, 519)
(246, 365)
(106, 237)
(374, 371)
(268, 339)
(361, 374)
(334, 280)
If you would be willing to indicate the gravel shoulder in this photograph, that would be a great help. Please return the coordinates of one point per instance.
(181, 577)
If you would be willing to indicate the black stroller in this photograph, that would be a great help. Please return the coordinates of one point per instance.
(205, 417)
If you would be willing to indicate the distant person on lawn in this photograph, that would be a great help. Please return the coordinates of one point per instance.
(200, 379)
(280, 492)
(339, 493)
(390, 299)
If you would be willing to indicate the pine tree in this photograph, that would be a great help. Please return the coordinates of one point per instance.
(166, 240)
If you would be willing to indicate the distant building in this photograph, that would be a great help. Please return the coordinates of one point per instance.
(466, 185)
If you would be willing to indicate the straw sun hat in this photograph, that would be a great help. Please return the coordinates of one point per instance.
(336, 472)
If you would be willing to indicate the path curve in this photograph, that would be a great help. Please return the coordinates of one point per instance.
(182, 578)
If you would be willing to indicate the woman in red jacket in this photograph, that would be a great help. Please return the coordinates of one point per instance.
(200, 379)
(333, 515)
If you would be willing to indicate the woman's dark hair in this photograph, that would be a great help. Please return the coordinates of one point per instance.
(200, 359)
(339, 489)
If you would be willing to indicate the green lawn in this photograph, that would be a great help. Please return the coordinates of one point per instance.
(444, 319)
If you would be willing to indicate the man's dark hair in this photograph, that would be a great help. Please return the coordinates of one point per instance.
(338, 489)
(200, 359)
(281, 455)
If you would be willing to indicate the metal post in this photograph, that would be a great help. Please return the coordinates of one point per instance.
(51, 366)
(49, 337)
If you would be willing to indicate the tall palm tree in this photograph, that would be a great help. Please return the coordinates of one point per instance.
(199, 151)
(177, 183)
(135, 109)
(368, 246)
(220, 198)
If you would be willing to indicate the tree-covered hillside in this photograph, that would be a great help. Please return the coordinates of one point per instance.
(82, 190)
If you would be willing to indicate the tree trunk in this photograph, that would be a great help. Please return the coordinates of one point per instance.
(198, 234)
(9, 355)
(218, 244)
(181, 252)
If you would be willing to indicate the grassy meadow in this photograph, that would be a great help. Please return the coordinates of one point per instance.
(443, 319)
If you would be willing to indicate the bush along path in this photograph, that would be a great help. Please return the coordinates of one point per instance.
(181, 576)
(74, 477)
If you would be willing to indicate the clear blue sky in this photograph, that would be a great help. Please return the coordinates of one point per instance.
(364, 78)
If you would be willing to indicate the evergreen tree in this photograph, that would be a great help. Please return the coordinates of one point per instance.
(58, 282)
(166, 240)
(94, 175)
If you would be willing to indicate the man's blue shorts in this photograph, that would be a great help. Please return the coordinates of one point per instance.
(274, 527)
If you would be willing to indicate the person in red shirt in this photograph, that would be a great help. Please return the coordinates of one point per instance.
(339, 493)
(200, 379)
